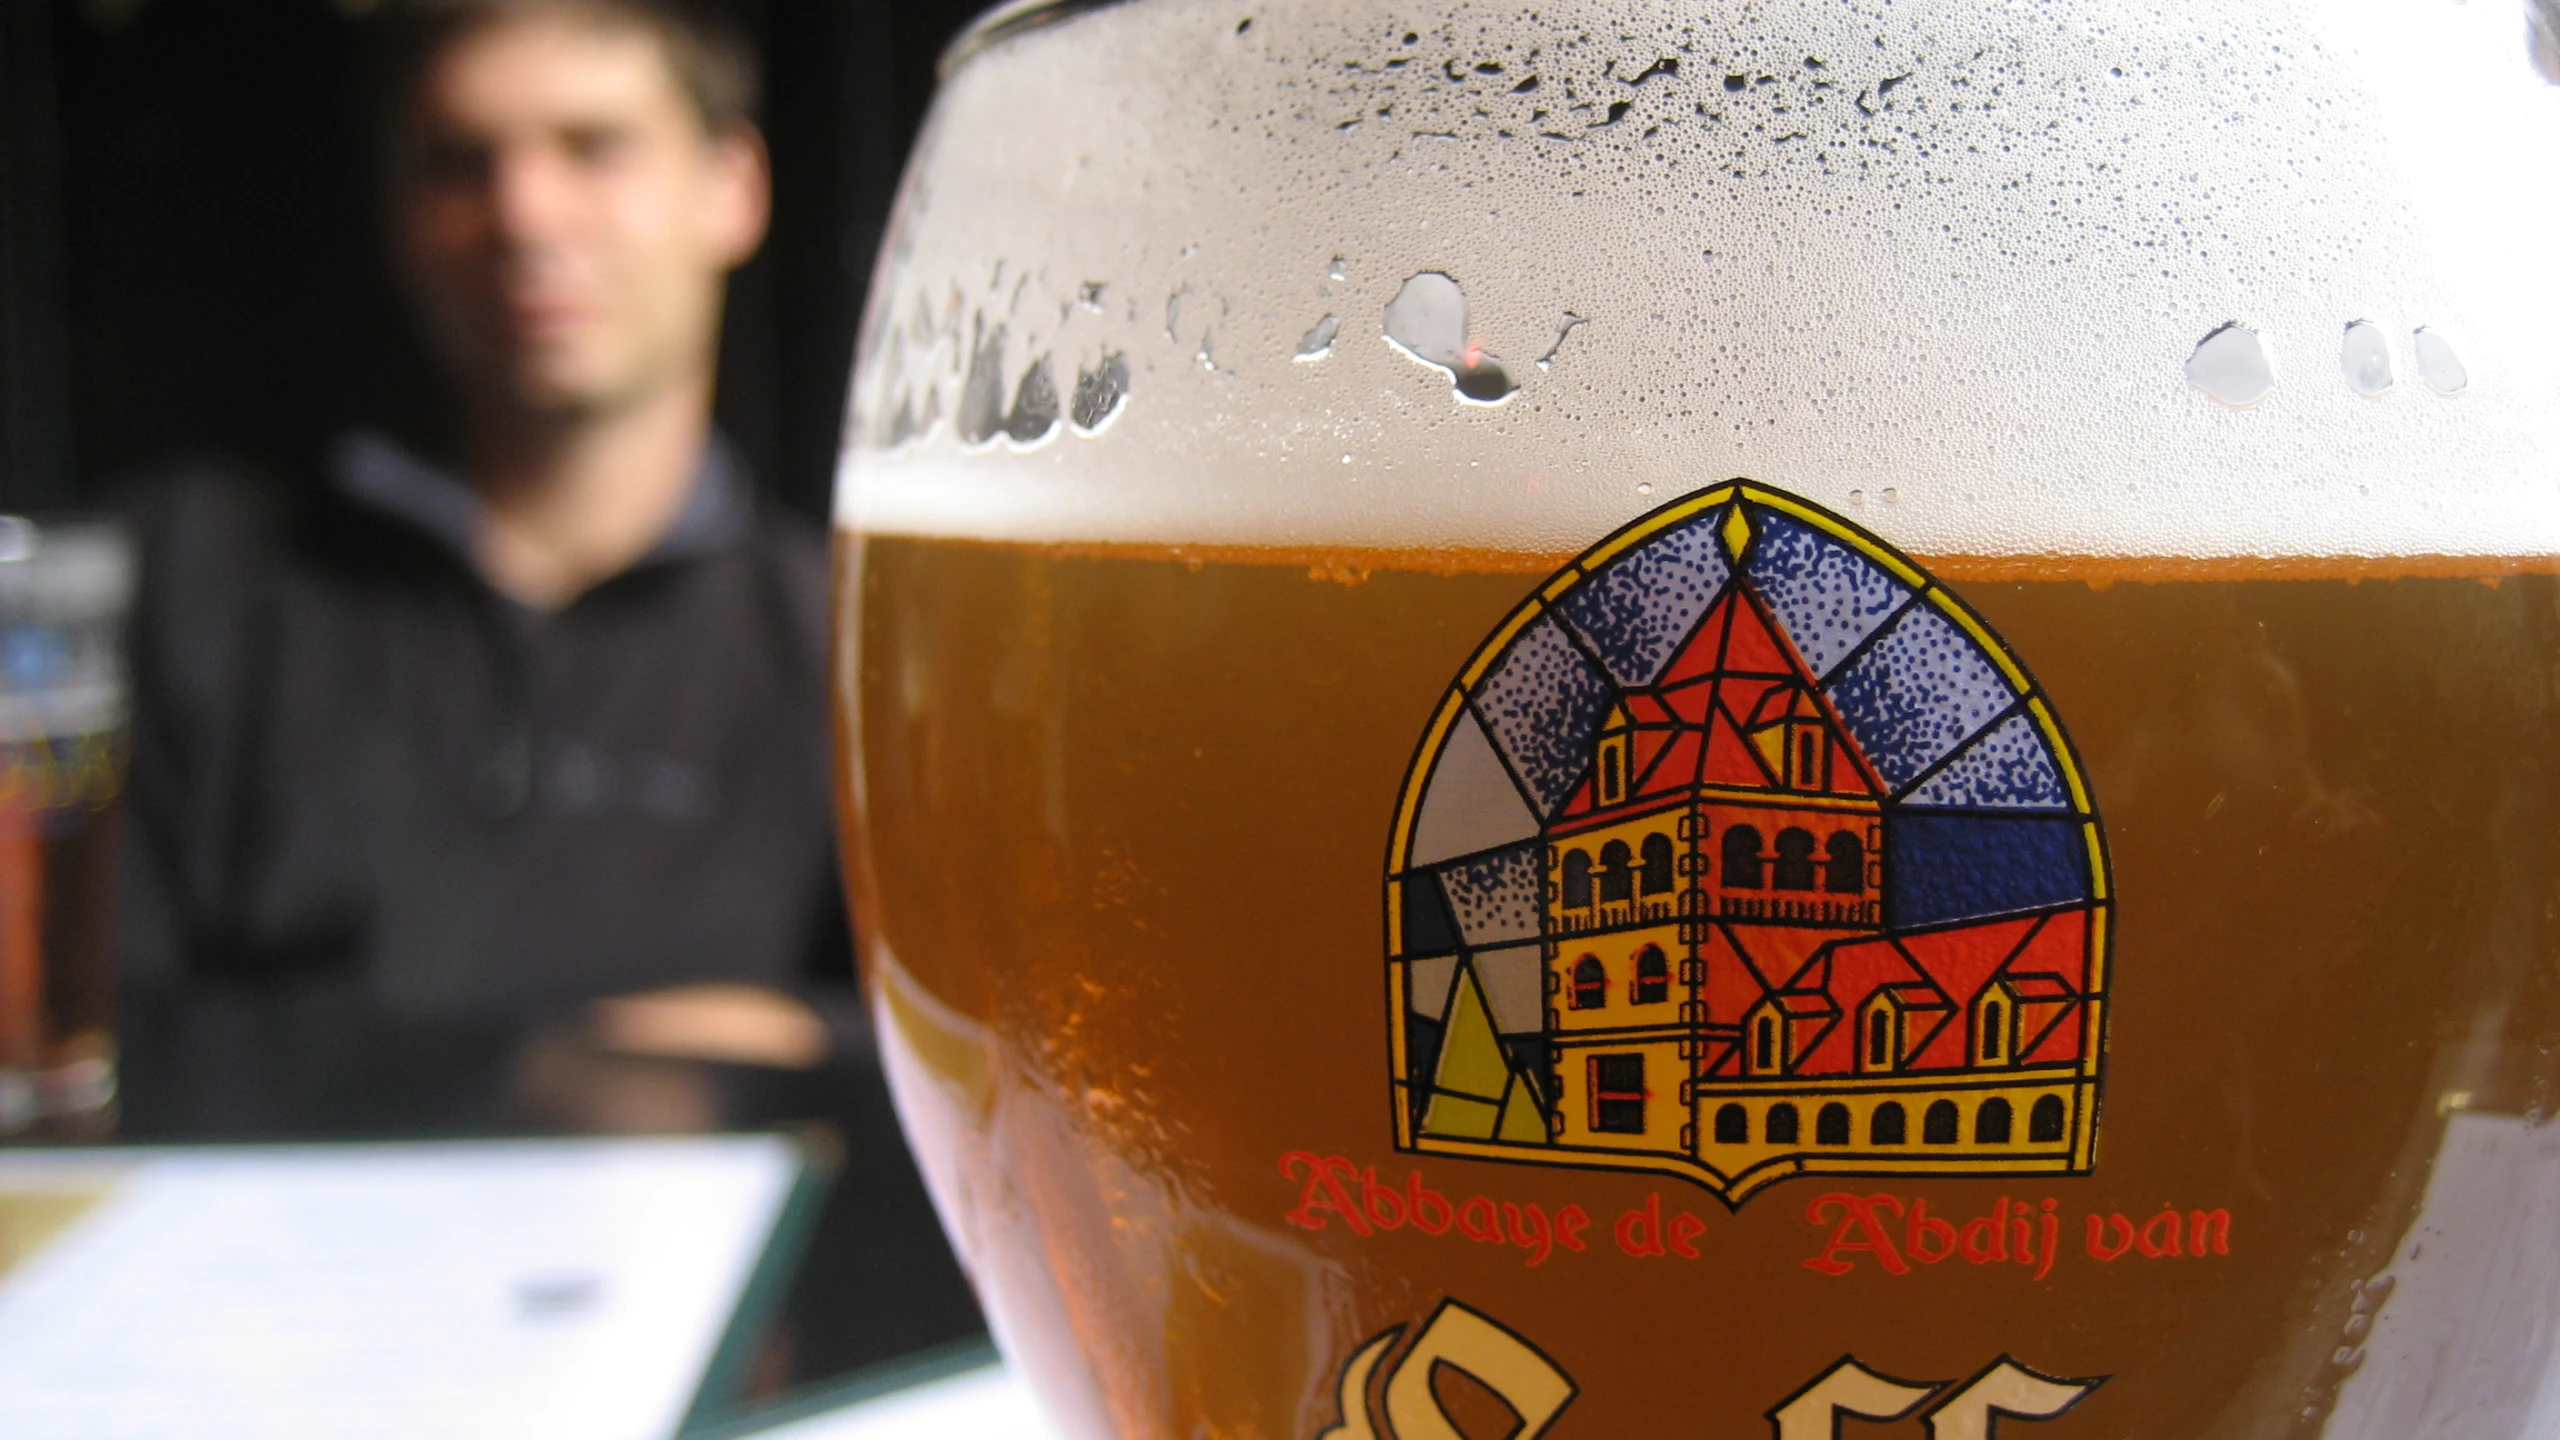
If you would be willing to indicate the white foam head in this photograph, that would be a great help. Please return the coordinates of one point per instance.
(1962, 272)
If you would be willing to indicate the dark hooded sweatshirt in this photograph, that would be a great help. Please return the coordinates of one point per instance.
(385, 819)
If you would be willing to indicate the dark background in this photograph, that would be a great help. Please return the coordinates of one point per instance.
(189, 264)
(189, 248)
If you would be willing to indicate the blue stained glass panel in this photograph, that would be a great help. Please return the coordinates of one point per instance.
(2008, 767)
(1827, 597)
(1422, 1055)
(1918, 692)
(1638, 609)
(1496, 898)
(1962, 867)
(1428, 927)
(1543, 705)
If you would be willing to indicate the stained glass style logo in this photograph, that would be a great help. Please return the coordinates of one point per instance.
(1742, 850)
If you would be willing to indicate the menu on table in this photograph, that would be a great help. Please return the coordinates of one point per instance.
(558, 1288)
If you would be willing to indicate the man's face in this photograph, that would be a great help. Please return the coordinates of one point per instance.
(563, 218)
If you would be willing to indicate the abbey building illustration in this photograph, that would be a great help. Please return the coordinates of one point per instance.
(1793, 873)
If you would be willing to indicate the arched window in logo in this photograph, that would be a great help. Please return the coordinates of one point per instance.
(1991, 1122)
(1741, 857)
(1889, 1125)
(1657, 864)
(1844, 865)
(1824, 826)
(1652, 983)
(1590, 983)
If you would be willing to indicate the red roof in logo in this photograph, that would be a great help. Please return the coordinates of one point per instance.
(1711, 718)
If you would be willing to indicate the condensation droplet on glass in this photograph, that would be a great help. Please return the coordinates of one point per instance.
(981, 412)
(1644, 487)
(1173, 316)
(1340, 269)
(1035, 405)
(1891, 495)
(1318, 342)
(1100, 393)
(894, 429)
(1570, 323)
(1428, 321)
(1483, 381)
(1857, 497)
(2231, 366)
(1346, 459)
(2364, 355)
(1089, 295)
(2438, 365)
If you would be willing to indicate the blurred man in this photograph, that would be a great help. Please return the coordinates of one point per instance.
(444, 744)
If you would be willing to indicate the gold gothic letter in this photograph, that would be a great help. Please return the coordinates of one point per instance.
(1507, 1365)
(1848, 1388)
(1355, 1391)
(2009, 1389)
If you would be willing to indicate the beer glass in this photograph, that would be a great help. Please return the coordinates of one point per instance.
(1655, 719)
(64, 589)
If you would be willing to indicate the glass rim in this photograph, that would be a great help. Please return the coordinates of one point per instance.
(1005, 21)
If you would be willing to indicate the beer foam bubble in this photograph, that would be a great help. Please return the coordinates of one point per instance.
(2063, 278)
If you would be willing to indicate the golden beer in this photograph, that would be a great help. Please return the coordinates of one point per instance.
(2141, 747)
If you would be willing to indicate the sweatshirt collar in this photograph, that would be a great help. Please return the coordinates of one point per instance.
(377, 472)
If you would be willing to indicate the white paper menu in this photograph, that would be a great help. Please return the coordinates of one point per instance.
(563, 1289)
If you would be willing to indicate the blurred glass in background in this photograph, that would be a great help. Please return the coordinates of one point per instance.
(64, 589)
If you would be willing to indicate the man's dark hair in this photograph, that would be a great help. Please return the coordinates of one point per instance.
(709, 52)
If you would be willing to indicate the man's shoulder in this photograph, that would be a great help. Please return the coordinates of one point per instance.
(779, 535)
(789, 551)
(208, 493)
(233, 549)
(226, 525)
(206, 525)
